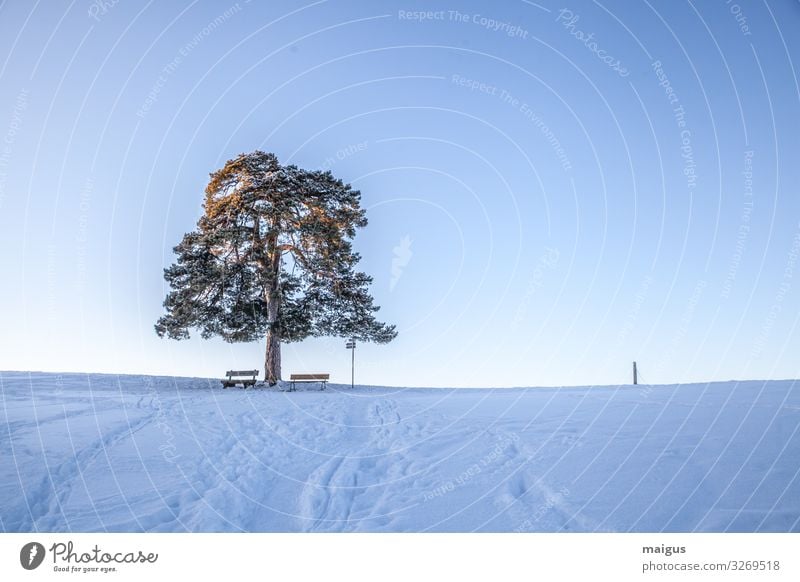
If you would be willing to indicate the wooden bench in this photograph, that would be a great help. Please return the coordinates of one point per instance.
(322, 378)
(248, 378)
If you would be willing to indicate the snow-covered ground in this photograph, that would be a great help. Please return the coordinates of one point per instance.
(133, 453)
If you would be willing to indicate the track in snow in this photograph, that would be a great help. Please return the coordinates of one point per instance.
(127, 453)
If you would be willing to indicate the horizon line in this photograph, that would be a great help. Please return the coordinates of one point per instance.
(517, 387)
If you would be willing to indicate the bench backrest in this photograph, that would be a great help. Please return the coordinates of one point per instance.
(232, 373)
(310, 377)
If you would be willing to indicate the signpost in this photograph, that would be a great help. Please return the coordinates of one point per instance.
(351, 345)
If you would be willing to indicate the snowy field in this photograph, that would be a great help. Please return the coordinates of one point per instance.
(132, 453)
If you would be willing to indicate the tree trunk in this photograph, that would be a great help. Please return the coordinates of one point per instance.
(272, 362)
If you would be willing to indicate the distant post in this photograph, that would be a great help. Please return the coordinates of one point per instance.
(351, 345)
(635, 375)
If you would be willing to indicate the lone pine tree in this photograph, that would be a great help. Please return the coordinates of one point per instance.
(272, 255)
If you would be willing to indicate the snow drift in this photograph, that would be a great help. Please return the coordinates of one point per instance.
(137, 453)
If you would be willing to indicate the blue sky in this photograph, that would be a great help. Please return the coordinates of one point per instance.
(554, 190)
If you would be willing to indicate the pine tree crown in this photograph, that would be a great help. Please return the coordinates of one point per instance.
(272, 251)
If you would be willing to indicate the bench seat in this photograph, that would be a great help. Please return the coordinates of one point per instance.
(321, 378)
(244, 377)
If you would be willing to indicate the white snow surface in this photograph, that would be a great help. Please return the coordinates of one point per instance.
(137, 453)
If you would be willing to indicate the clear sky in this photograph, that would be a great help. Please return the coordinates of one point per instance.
(553, 190)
